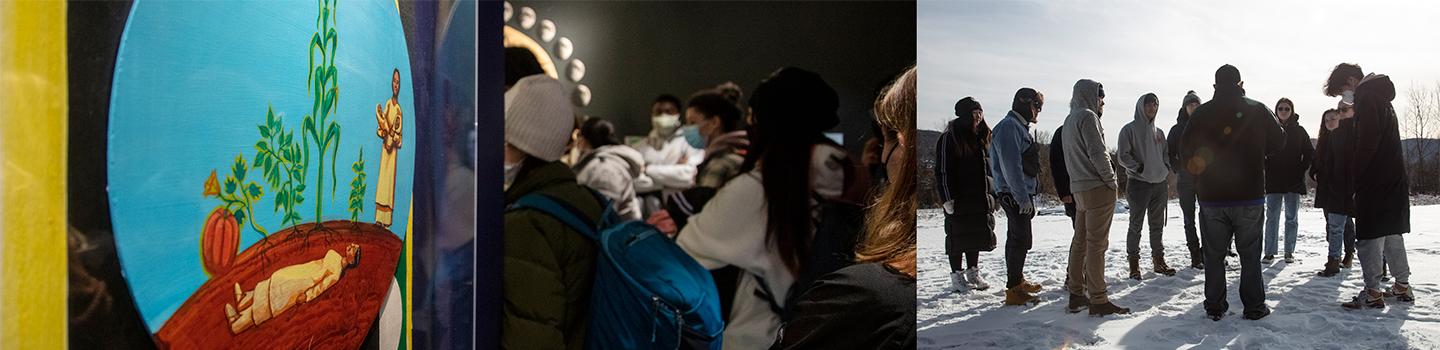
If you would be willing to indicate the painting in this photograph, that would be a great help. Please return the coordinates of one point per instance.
(236, 218)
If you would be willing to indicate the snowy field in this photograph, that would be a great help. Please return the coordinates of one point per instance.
(1167, 312)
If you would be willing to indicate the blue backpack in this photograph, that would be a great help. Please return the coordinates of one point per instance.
(648, 293)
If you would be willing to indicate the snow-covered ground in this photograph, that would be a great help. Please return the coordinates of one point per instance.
(1167, 312)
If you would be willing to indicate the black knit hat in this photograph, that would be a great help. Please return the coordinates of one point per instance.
(1024, 99)
(965, 106)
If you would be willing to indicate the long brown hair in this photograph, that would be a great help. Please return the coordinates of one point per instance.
(890, 222)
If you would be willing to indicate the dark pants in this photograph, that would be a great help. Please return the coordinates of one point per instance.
(1017, 240)
(1187, 211)
(1219, 226)
(959, 261)
(1147, 201)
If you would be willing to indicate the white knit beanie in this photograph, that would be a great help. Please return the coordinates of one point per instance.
(538, 117)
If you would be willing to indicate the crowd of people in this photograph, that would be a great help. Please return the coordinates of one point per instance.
(751, 189)
(1243, 165)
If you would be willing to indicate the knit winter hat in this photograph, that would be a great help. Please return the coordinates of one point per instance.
(965, 106)
(1190, 97)
(538, 117)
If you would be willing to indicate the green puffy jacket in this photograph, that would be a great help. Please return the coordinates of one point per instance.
(548, 266)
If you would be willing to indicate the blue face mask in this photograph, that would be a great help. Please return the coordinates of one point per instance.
(693, 136)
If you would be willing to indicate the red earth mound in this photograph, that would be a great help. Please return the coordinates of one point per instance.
(338, 319)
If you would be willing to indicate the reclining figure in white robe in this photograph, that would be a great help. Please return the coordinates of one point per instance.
(287, 287)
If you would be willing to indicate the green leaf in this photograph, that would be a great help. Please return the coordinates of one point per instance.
(239, 216)
(239, 167)
(255, 190)
(281, 198)
(264, 130)
(230, 184)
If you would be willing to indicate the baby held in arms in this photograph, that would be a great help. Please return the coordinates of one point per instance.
(287, 287)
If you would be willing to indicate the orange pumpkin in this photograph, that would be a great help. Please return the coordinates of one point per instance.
(219, 241)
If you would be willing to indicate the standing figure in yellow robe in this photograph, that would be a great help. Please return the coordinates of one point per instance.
(288, 287)
(389, 118)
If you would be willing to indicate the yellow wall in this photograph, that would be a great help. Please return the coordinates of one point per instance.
(32, 180)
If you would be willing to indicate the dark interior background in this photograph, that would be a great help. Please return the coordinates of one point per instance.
(634, 51)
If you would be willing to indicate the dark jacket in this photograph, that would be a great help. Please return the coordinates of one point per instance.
(864, 306)
(548, 268)
(1183, 178)
(1057, 165)
(1225, 145)
(962, 175)
(1285, 171)
(1331, 170)
(1382, 194)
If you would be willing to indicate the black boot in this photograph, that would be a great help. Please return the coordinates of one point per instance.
(1135, 268)
(1197, 259)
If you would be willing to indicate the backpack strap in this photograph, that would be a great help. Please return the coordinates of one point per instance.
(568, 214)
(561, 211)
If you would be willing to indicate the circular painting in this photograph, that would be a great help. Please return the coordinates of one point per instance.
(260, 167)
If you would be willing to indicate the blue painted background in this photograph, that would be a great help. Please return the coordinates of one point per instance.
(192, 82)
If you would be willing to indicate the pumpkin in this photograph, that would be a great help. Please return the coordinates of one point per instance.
(219, 241)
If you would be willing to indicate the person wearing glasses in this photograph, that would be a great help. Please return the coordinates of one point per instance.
(1016, 164)
(1285, 181)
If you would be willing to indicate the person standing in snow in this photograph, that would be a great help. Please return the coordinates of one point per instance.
(1224, 147)
(962, 178)
(1382, 199)
(1093, 181)
(1016, 163)
(1331, 172)
(608, 167)
(1285, 181)
(1142, 153)
(670, 161)
(1059, 175)
(1184, 182)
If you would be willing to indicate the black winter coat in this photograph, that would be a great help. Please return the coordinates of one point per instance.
(1182, 177)
(1285, 171)
(1382, 195)
(1225, 145)
(1333, 180)
(1057, 165)
(962, 175)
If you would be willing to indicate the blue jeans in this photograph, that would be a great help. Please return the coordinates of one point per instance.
(1340, 233)
(1272, 221)
(1219, 226)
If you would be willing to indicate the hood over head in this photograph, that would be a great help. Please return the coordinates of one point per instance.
(1376, 86)
(1087, 96)
(1140, 109)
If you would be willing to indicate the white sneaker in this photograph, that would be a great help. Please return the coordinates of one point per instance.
(958, 282)
(975, 281)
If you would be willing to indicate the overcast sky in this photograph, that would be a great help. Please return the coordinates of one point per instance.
(989, 49)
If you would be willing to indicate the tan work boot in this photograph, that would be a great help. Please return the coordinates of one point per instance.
(1017, 296)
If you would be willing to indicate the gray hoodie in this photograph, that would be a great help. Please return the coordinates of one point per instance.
(1142, 148)
(1086, 157)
